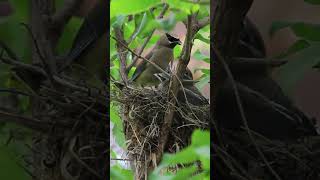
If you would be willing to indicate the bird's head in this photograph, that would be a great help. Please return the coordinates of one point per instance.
(169, 41)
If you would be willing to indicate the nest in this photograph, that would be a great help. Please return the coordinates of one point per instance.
(237, 158)
(73, 141)
(143, 112)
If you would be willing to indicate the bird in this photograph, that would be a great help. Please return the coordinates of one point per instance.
(268, 110)
(189, 92)
(161, 55)
(192, 103)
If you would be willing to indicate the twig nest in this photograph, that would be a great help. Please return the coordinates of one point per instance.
(238, 159)
(143, 111)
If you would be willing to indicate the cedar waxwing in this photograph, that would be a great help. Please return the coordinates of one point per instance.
(267, 109)
(190, 92)
(161, 55)
(188, 97)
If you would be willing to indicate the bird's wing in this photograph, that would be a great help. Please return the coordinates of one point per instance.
(140, 68)
(192, 95)
(266, 116)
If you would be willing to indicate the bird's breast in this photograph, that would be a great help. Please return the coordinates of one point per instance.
(162, 57)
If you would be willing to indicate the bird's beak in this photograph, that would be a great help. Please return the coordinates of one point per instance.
(178, 42)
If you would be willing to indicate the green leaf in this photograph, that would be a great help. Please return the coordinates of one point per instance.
(24, 103)
(202, 176)
(118, 128)
(200, 138)
(303, 30)
(187, 155)
(118, 173)
(114, 72)
(147, 24)
(118, 21)
(297, 46)
(204, 12)
(126, 7)
(185, 173)
(153, 40)
(132, 70)
(9, 167)
(113, 154)
(298, 63)
(167, 24)
(13, 34)
(278, 25)
(199, 56)
(314, 2)
(198, 150)
(177, 51)
(140, 23)
(113, 50)
(68, 35)
(186, 7)
(201, 38)
(203, 81)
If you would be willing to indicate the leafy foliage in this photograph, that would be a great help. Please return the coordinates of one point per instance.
(199, 150)
(138, 21)
(302, 55)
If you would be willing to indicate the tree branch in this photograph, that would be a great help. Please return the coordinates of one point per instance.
(192, 28)
(165, 8)
(228, 17)
(122, 52)
(152, 63)
(60, 18)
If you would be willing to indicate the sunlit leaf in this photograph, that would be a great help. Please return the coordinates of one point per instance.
(204, 80)
(118, 7)
(118, 173)
(201, 38)
(117, 129)
(177, 51)
(198, 150)
(184, 6)
(199, 56)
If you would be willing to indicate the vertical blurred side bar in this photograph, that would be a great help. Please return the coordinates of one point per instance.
(226, 18)
(107, 81)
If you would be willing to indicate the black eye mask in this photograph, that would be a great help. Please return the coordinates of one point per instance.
(171, 38)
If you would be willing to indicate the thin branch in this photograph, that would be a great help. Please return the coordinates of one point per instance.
(242, 114)
(120, 159)
(152, 63)
(47, 58)
(122, 52)
(174, 86)
(203, 22)
(165, 8)
(60, 18)
(76, 157)
(92, 93)
(31, 123)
